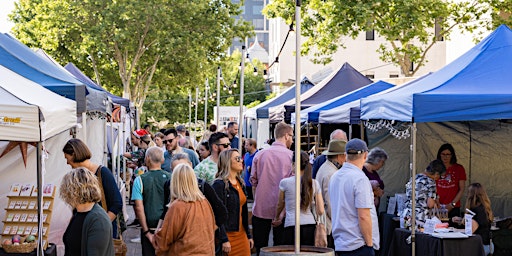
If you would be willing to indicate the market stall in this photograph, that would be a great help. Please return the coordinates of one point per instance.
(37, 121)
(468, 104)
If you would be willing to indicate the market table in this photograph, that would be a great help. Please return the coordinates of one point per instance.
(387, 226)
(50, 251)
(427, 245)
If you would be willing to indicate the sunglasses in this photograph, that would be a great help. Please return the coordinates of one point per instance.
(169, 140)
(223, 144)
(238, 158)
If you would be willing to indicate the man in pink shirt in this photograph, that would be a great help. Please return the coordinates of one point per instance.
(269, 167)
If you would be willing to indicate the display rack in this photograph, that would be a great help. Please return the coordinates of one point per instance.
(21, 211)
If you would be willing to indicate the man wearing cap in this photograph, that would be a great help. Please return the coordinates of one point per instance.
(171, 145)
(355, 226)
(182, 133)
(320, 160)
(335, 157)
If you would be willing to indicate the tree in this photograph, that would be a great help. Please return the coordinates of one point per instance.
(136, 44)
(171, 103)
(408, 27)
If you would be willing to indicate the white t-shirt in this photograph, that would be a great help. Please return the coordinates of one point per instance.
(287, 185)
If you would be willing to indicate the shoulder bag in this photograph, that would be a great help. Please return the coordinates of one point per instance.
(120, 247)
(320, 231)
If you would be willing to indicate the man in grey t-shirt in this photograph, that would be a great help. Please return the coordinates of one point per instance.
(355, 225)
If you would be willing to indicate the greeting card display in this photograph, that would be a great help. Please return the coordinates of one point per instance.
(22, 211)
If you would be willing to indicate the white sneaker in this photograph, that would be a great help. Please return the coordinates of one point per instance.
(135, 240)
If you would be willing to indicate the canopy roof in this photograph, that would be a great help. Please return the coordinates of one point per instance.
(312, 114)
(71, 68)
(340, 82)
(19, 58)
(262, 110)
(95, 100)
(29, 112)
(476, 86)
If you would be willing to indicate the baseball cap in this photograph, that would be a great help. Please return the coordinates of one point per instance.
(180, 128)
(356, 146)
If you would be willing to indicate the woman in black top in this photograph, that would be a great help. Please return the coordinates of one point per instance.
(77, 155)
(478, 202)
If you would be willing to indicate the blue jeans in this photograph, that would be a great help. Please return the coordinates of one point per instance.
(361, 251)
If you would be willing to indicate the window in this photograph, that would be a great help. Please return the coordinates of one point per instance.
(438, 29)
(370, 75)
(258, 23)
(370, 35)
(256, 9)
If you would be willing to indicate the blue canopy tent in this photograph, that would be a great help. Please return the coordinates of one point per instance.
(19, 58)
(468, 103)
(340, 82)
(258, 118)
(71, 68)
(262, 110)
(311, 114)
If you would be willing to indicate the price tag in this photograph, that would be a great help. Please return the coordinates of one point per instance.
(468, 220)
(391, 205)
(430, 225)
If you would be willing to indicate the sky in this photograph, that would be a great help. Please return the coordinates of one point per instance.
(6, 7)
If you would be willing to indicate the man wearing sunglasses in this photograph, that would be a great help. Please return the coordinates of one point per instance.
(171, 145)
(207, 169)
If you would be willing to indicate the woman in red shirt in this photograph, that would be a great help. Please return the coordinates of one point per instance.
(450, 187)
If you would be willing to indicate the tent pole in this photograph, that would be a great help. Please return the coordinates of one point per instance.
(308, 133)
(413, 194)
(319, 139)
(361, 126)
(297, 126)
(350, 131)
(40, 250)
(241, 101)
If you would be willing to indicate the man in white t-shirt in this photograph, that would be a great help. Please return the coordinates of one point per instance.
(355, 225)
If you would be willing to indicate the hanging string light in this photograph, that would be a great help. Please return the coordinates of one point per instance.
(399, 130)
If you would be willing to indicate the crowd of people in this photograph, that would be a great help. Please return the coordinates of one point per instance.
(192, 198)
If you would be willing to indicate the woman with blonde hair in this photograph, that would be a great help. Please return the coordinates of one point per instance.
(234, 234)
(89, 231)
(478, 202)
(189, 225)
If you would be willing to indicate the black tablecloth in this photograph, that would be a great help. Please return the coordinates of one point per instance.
(50, 251)
(427, 245)
(387, 228)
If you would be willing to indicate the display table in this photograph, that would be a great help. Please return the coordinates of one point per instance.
(427, 245)
(50, 251)
(387, 226)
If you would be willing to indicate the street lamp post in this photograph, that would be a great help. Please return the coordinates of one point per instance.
(206, 104)
(241, 117)
(218, 96)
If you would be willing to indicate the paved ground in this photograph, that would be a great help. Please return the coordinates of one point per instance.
(134, 249)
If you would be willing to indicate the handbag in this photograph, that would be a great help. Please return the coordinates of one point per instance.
(320, 230)
(120, 247)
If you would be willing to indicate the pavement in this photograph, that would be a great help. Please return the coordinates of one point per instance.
(134, 249)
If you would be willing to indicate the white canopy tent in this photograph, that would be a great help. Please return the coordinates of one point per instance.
(32, 113)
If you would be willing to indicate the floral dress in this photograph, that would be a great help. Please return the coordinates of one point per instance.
(425, 189)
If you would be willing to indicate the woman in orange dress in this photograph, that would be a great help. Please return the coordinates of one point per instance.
(234, 234)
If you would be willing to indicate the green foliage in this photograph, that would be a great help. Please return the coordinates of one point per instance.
(134, 46)
(407, 26)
